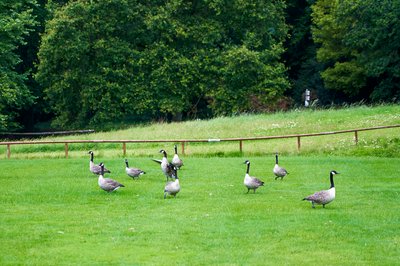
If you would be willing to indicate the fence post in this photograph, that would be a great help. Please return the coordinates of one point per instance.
(298, 143)
(356, 137)
(66, 150)
(240, 146)
(124, 148)
(183, 147)
(8, 151)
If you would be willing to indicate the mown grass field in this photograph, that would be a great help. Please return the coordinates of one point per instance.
(53, 213)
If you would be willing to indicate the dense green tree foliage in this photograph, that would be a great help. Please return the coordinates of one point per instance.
(16, 22)
(300, 55)
(108, 60)
(360, 46)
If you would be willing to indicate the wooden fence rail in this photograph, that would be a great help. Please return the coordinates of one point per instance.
(184, 141)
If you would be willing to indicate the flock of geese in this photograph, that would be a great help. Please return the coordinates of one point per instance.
(172, 186)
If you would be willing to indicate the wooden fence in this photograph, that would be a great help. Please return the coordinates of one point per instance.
(184, 141)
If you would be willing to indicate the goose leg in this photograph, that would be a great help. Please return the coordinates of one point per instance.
(323, 205)
(313, 206)
(276, 177)
(165, 195)
(248, 189)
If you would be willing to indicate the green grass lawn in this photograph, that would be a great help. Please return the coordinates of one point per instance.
(53, 213)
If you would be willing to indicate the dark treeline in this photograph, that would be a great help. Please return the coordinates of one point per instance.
(99, 63)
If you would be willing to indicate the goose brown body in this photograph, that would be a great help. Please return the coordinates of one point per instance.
(133, 172)
(251, 182)
(323, 197)
(107, 184)
(94, 168)
(278, 170)
(172, 187)
(167, 168)
(176, 161)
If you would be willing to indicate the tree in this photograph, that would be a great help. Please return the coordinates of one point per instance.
(17, 22)
(106, 61)
(90, 62)
(360, 46)
(300, 55)
(249, 73)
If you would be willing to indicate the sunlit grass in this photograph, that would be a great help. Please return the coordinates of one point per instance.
(54, 213)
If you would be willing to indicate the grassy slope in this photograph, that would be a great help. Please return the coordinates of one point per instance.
(380, 142)
(53, 213)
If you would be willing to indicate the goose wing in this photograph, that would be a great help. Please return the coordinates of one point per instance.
(280, 171)
(257, 181)
(253, 182)
(111, 184)
(317, 197)
(157, 161)
(96, 169)
(134, 172)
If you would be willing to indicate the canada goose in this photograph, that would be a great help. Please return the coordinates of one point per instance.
(133, 172)
(251, 182)
(172, 187)
(107, 184)
(279, 171)
(94, 168)
(324, 196)
(176, 160)
(167, 168)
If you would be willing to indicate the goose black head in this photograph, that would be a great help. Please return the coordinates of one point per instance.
(90, 152)
(163, 152)
(333, 172)
(247, 162)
